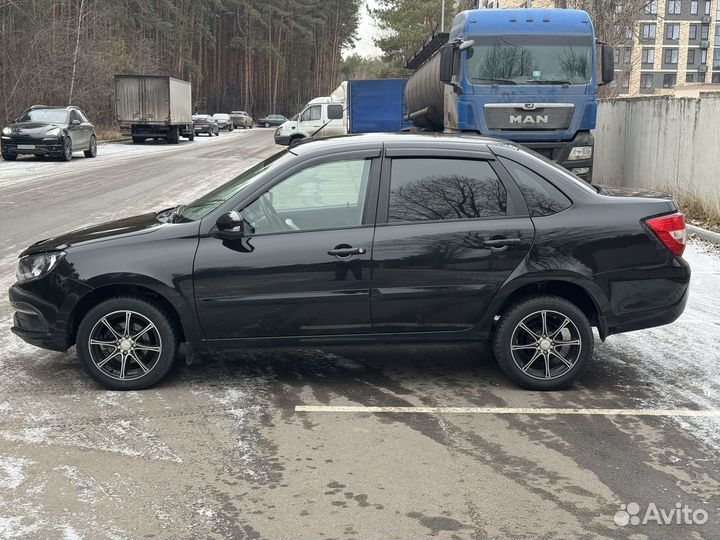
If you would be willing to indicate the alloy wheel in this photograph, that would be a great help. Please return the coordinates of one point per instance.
(125, 345)
(545, 344)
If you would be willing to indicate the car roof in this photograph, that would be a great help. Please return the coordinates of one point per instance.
(395, 140)
(65, 107)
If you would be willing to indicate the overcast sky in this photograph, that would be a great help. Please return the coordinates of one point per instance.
(367, 29)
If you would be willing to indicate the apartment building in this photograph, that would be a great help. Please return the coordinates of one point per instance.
(674, 42)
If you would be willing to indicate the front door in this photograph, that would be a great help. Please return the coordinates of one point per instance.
(451, 237)
(303, 267)
(310, 120)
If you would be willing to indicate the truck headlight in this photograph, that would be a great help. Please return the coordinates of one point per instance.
(37, 265)
(7, 131)
(580, 152)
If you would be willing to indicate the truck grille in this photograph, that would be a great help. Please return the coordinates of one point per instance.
(528, 116)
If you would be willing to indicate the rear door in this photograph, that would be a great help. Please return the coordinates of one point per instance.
(452, 226)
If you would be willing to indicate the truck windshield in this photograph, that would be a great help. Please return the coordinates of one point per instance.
(530, 60)
(201, 207)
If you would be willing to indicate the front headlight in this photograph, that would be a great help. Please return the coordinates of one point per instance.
(580, 152)
(54, 132)
(7, 131)
(37, 265)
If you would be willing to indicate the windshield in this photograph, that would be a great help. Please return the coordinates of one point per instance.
(221, 116)
(51, 116)
(201, 207)
(530, 60)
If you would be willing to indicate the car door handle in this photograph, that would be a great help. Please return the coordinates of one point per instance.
(501, 242)
(345, 251)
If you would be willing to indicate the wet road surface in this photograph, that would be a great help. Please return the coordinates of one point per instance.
(218, 450)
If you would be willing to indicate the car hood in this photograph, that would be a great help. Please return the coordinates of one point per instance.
(33, 128)
(131, 226)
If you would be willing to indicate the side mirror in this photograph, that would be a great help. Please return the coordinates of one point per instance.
(447, 63)
(75, 122)
(229, 226)
(607, 57)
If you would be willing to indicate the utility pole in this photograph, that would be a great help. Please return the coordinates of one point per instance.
(442, 17)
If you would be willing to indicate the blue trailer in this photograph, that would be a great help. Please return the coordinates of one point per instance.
(528, 75)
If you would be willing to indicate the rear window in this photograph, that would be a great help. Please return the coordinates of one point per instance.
(543, 199)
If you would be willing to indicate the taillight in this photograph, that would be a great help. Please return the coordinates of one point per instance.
(670, 230)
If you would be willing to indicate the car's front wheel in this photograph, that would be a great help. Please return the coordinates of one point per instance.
(91, 152)
(67, 150)
(543, 343)
(7, 156)
(126, 343)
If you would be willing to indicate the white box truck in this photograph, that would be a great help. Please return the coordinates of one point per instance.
(154, 107)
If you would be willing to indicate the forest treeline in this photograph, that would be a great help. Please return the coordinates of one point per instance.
(263, 56)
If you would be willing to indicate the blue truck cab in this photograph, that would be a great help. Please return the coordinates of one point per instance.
(527, 75)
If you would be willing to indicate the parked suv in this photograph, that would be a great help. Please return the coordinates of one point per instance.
(375, 237)
(49, 131)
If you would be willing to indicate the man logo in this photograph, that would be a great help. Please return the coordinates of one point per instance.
(529, 119)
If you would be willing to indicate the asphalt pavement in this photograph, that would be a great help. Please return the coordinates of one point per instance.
(344, 442)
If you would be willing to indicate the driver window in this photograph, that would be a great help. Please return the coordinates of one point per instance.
(311, 113)
(326, 196)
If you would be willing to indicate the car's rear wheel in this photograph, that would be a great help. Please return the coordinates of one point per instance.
(267, 124)
(67, 150)
(91, 152)
(543, 343)
(126, 343)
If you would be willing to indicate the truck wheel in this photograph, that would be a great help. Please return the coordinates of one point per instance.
(138, 140)
(126, 343)
(173, 136)
(543, 343)
(296, 139)
(191, 135)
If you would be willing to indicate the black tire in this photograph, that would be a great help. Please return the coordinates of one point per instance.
(191, 136)
(173, 136)
(138, 140)
(294, 140)
(231, 128)
(145, 312)
(91, 152)
(67, 150)
(515, 347)
(7, 156)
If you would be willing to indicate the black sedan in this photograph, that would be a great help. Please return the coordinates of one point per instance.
(49, 131)
(204, 123)
(272, 120)
(367, 238)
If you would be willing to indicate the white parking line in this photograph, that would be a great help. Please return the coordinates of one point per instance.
(502, 410)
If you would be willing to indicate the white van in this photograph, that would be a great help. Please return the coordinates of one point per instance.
(321, 117)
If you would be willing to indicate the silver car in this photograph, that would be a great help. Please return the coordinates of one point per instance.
(241, 119)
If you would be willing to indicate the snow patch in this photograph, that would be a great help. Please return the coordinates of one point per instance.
(12, 471)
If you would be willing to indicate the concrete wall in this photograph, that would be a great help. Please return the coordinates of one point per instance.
(664, 143)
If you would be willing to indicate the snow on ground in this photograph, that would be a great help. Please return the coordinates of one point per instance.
(28, 168)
